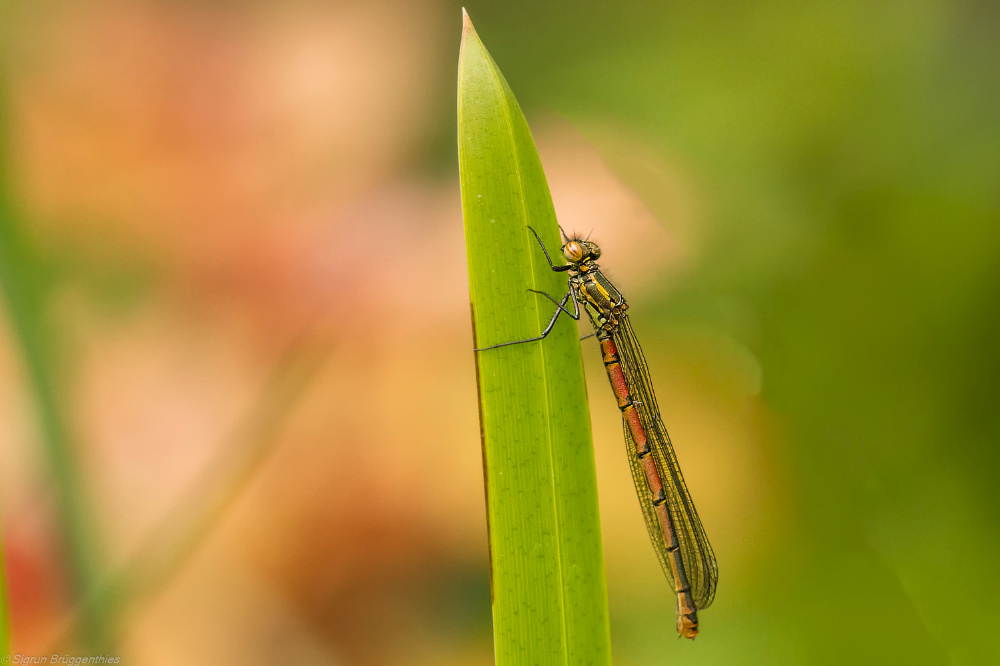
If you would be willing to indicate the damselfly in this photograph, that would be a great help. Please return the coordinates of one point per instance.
(671, 519)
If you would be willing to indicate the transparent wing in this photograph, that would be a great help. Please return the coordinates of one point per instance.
(699, 560)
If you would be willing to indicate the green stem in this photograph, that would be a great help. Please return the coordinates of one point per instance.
(549, 592)
(26, 294)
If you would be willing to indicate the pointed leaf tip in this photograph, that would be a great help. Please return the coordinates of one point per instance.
(466, 22)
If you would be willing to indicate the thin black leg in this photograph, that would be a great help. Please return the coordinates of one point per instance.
(561, 307)
(558, 269)
(576, 305)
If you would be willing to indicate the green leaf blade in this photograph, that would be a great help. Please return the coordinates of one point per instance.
(549, 591)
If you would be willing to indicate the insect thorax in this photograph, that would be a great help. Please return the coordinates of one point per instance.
(602, 301)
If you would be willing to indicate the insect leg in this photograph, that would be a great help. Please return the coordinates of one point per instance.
(558, 269)
(576, 305)
(561, 307)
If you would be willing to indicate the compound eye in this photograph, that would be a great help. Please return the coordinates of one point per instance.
(573, 251)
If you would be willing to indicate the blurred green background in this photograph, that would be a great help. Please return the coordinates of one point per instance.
(801, 201)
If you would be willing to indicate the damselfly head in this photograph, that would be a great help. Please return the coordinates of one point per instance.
(576, 250)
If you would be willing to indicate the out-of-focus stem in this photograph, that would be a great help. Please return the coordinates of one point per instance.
(171, 543)
(25, 292)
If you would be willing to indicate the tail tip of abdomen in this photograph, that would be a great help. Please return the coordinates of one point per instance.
(687, 624)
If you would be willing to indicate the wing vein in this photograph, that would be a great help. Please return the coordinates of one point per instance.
(696, 553)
